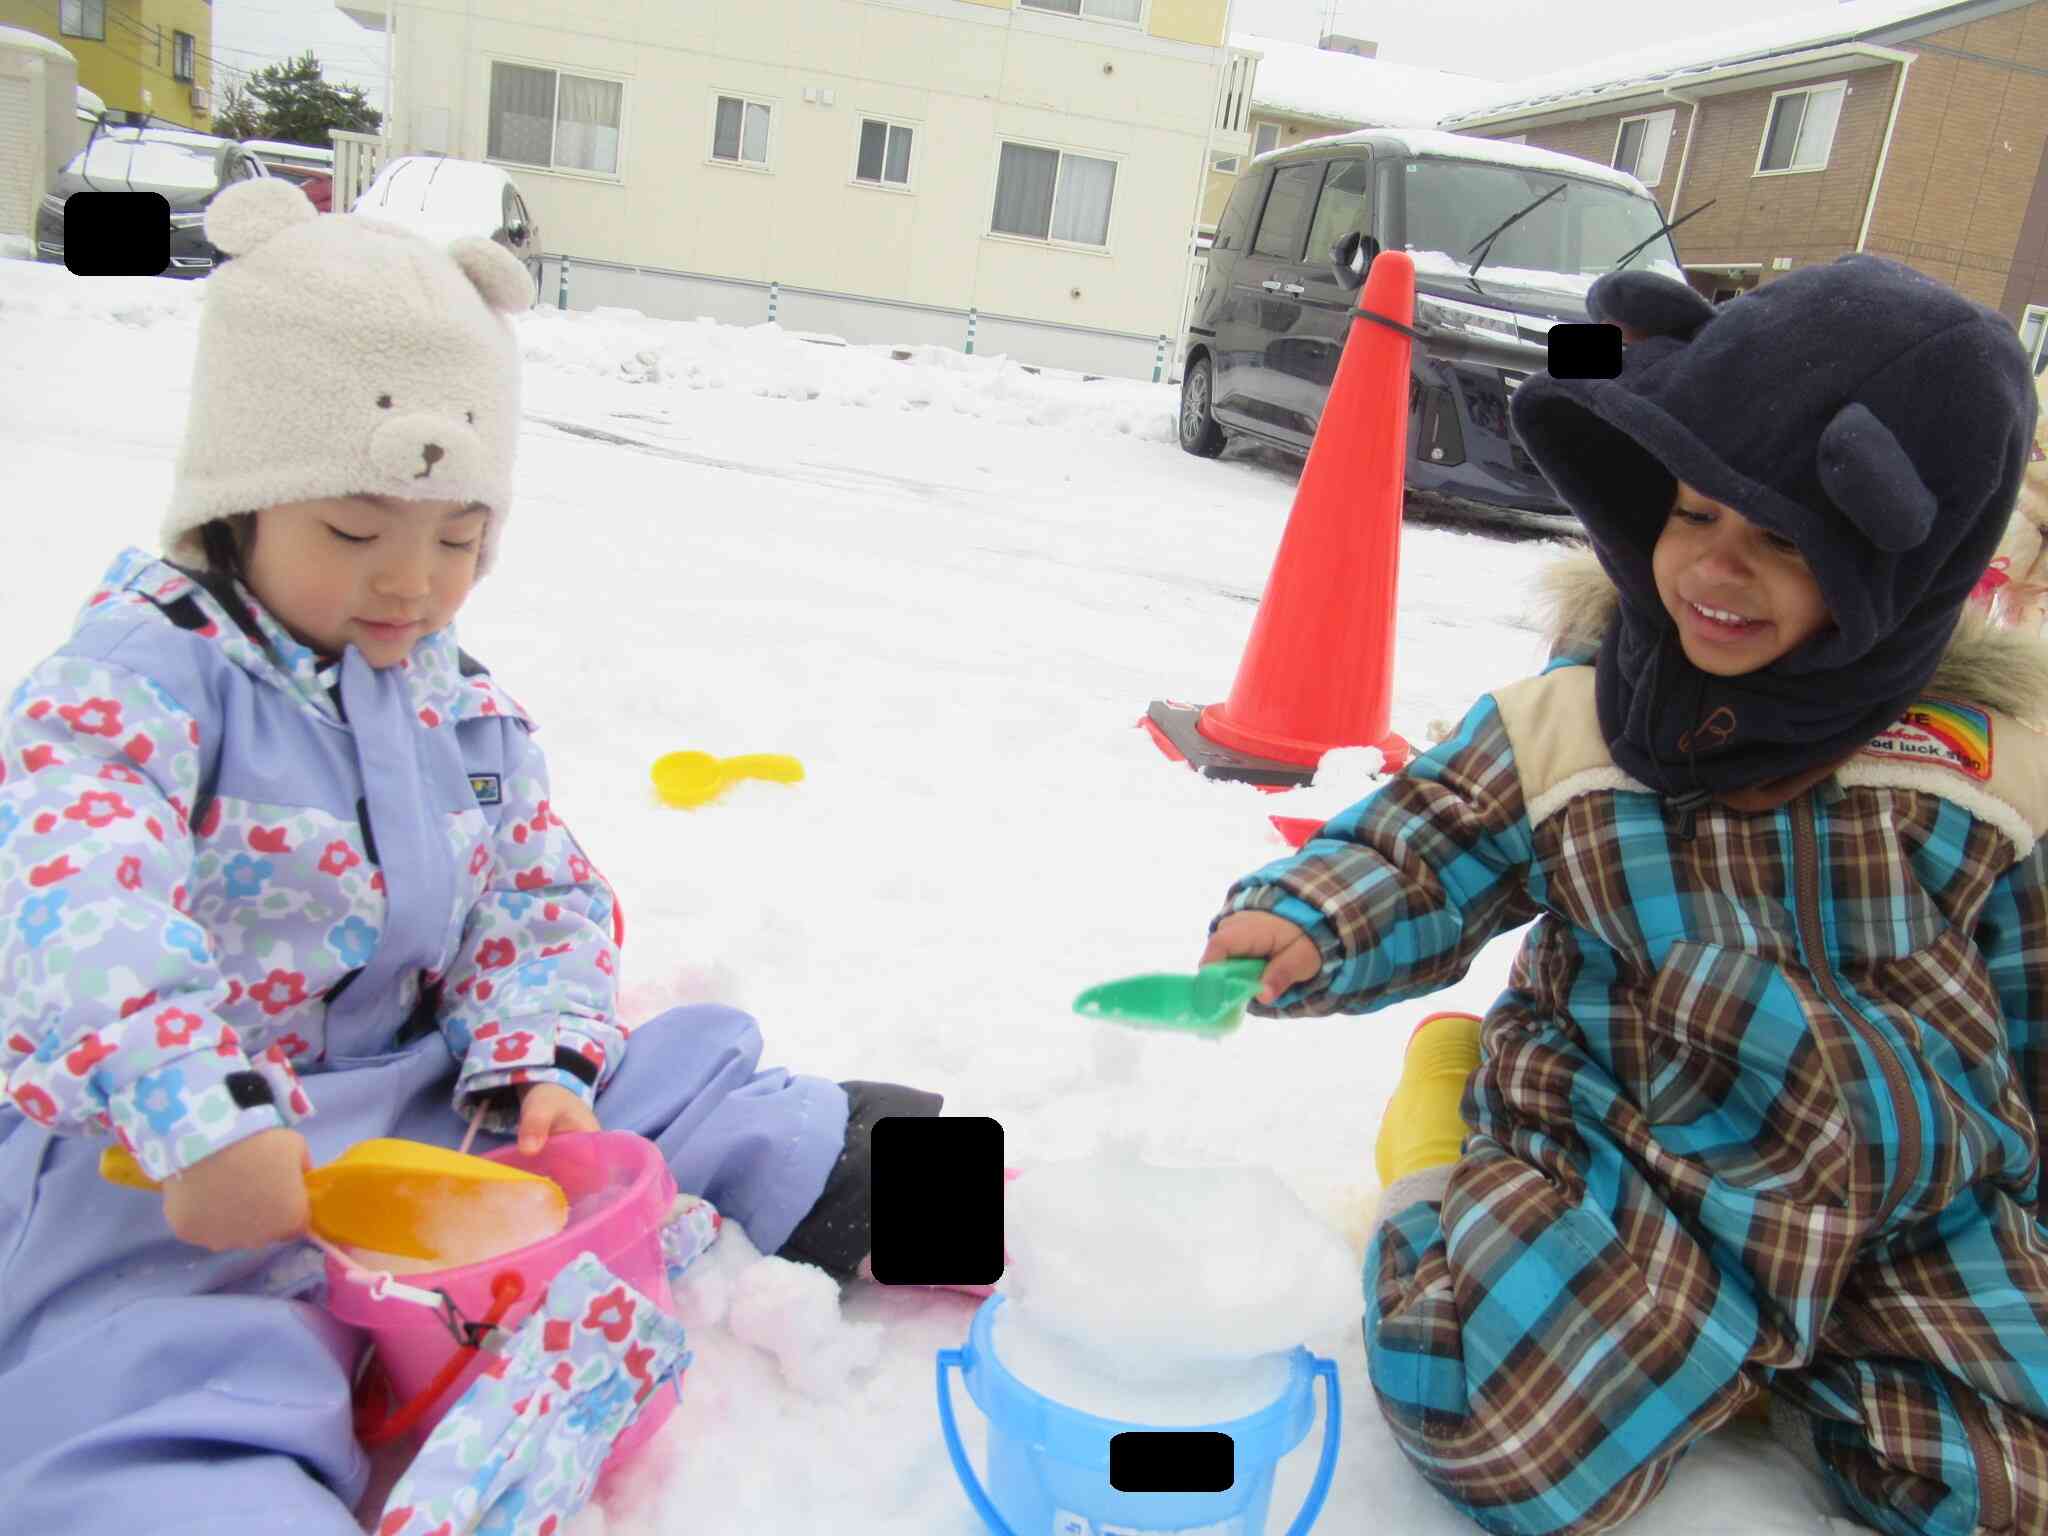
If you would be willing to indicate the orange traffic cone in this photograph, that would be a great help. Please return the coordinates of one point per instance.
(1317, 672)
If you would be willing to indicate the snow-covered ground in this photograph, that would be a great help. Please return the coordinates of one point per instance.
(950, 587)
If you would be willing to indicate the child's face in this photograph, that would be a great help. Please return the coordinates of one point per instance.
(1741, 597)
(373, 571)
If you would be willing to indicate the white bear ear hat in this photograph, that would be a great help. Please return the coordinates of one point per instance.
(341, 356)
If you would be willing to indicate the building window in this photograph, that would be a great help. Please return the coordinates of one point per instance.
(83, 18)
(554, 120)
(2033, 326)
(1099, 10)
(1801, 132)
(1640, 144)
(740, 131)
(181, 56)
(1265, 136)
(1227, 164)
(884, 153)
(1049, 194)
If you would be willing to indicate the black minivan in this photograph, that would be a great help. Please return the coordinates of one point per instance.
(1506, 239)
(143, 154)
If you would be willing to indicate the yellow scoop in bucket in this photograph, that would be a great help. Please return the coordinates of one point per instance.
(690, 779)
(381, 1194)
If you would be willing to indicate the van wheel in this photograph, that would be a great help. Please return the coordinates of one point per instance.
(1199, 433)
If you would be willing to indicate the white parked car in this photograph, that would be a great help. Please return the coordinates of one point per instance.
(444, 199)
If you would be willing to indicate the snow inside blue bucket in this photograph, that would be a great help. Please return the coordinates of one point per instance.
(1121, 1313)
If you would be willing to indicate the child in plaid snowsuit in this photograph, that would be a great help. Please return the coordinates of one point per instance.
(1760, 1110)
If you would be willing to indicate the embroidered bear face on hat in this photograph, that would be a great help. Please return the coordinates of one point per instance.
(340, 356)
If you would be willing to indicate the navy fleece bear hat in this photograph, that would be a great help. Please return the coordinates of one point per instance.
(1873, 416)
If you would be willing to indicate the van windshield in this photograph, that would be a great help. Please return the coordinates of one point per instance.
(1451, 205)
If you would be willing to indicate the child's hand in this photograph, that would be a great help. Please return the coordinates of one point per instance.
(247, 1195)
(546, 1108)
(1295, 957)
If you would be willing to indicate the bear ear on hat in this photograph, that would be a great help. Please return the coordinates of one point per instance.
(1868, 475)
(1646, 304)
(499, 275)
(251, 212)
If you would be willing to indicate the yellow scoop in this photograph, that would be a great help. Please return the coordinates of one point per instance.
(690, 779)
(379, 1194)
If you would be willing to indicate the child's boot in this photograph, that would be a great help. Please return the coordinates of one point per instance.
(1424, 1128)
(866, 1270)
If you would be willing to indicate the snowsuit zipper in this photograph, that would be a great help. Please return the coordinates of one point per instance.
(1806, 846)
(1994, 1487)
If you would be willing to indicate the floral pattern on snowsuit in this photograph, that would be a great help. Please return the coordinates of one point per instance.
(520, 1451)
(177, 917)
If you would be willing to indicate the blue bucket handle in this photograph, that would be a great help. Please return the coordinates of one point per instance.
(1312, 1506)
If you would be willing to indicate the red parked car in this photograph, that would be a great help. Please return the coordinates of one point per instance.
(317, 185)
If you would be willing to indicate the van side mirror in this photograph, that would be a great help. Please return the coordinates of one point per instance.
(1350, 258)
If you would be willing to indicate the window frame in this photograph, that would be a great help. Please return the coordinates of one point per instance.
(184, 56)
(1218, 167)
(1362, 157)
(2029, 312)
(86, 9)
(527, 167)
(1770, 116)
(1251, 245)
(771, 104)
(1645, 118)
(1277, 131)
(913, 127)
(1144, 15)
(1048, 240)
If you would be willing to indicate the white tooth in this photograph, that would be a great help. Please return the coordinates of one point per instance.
(1722, 614)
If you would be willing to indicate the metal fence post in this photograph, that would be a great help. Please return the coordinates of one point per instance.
(970, 332)
(774, 299)
(562, 291)
(1159, 358)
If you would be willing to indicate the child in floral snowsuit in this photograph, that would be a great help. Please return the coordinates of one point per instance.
(280, 872)
(1760, 1111)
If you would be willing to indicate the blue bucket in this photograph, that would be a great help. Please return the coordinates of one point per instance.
(1048, 1464)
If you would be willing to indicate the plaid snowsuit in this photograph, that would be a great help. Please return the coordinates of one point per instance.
(1758, 1111)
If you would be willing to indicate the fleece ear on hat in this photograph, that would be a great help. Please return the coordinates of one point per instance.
(1870, 476)
(251, 212)
(499, 275)
(1646, 304)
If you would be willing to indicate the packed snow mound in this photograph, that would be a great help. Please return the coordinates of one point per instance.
(1157, 1269)
(679, 357)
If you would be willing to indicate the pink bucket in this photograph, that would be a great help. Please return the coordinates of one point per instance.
(620, 1192)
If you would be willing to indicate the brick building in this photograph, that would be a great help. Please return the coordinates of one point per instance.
(1914, 129)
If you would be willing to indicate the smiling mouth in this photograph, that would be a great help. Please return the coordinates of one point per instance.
(1723, 618)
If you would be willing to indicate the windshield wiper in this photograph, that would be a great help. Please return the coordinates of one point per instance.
(1632, 251)
(1486, 242)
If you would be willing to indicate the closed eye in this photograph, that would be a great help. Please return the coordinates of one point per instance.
(349, 538)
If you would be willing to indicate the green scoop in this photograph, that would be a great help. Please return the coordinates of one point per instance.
(1209, 1003)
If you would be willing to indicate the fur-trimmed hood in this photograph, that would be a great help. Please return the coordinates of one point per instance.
(1986, 665)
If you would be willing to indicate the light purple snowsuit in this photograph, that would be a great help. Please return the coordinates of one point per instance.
(239, 890)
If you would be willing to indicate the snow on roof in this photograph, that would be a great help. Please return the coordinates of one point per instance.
(1344, 88)
(20, 40)
(88, 102)
(1809, 27)
(1469, 146)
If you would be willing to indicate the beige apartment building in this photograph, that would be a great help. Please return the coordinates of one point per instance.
(888, 165)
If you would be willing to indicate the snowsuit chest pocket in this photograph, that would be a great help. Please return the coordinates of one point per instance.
(1731, 1077)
